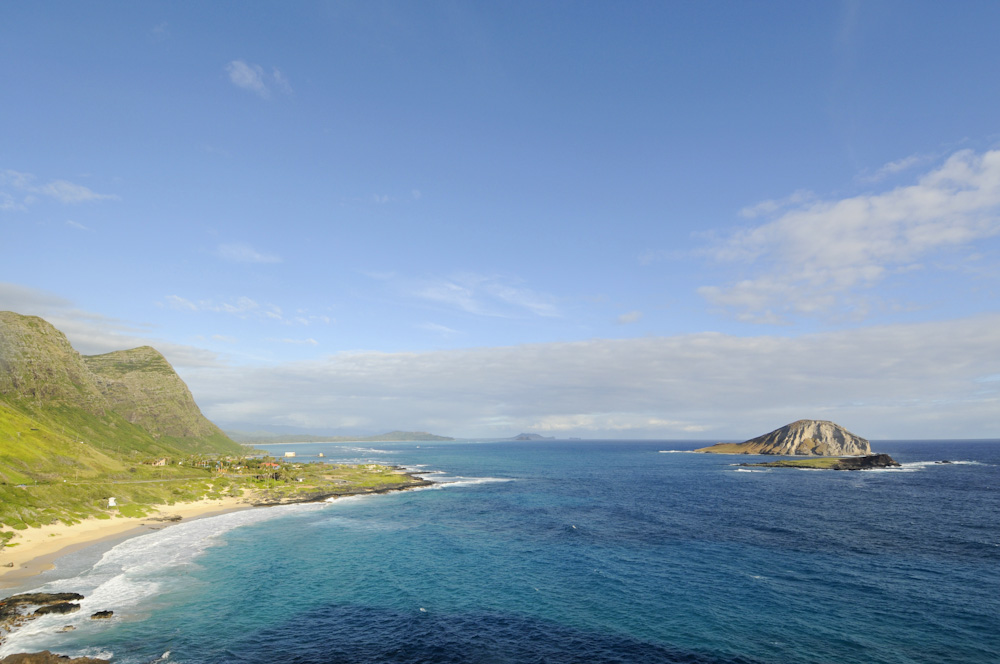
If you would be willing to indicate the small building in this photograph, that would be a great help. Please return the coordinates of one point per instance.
(112, 503)
(289, 454)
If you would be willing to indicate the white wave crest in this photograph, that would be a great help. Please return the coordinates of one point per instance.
(133, 571)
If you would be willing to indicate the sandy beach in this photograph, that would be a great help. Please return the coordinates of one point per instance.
(37, 549)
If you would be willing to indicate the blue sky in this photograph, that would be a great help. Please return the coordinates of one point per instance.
(668, 220)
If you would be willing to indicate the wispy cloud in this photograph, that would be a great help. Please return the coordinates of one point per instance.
(630, 317)
(772, 206)
(19, 190)
(77, 225)
(241, 307)
(894, 167)
(244, 253)
(440, 329)
(486, 296)
(160, 32)
(255, 79)
(296, 342)
(94, 334)
(821, 257)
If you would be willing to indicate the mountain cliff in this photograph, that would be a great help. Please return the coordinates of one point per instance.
(805, 437)
(127, 401)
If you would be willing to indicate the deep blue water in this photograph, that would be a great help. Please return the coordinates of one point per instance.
(555, 552)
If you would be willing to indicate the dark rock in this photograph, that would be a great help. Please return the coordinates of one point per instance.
(60, 608)
(102, 615)
(10, 607)
(46, 657)
(943, 461)
(866, 462)
(845, 463)
(41, 598)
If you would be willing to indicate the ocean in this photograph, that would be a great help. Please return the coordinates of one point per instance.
(566, 551)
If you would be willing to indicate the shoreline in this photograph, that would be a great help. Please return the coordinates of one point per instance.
(37, 549)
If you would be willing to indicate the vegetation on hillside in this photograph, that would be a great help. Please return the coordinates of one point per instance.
(78, 431)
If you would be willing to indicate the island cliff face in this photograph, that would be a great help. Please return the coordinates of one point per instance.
(805, 437)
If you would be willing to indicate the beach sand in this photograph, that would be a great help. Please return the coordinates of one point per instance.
(38, 548)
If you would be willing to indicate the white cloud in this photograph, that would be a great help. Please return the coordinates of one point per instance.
(919, 380)
(894, 167)
(242, 307)
(280, 81)
(438, 329)
(928, 380)
(486, 296)
(160, 32)
(179, 303)
(94, 334)
(771, 206)
(630, 317)
(77, 225)
(296, 342)
(820, 258)
(18, 191)
(244, 253)
(255, 79)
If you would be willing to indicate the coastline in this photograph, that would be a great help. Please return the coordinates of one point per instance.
(37, 549)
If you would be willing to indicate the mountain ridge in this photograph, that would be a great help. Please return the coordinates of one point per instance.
(129, 400)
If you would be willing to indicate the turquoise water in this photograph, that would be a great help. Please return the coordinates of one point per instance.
(570, 552)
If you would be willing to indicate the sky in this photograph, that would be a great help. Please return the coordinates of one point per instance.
(641, 220)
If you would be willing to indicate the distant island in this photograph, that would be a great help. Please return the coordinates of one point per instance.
(836, 447)
(531, 436)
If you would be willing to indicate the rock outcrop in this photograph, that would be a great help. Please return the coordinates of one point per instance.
(805, 437)
(846, 463)
(46, 657)
(14, 610)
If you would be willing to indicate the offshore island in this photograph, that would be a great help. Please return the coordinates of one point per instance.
(94, 447)
(829, 446)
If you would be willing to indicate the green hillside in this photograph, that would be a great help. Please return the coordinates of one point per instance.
(71, 427)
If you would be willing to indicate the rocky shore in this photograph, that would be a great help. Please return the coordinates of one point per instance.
(848, 463)
(46, 657)
(18, 610)
(411, 482)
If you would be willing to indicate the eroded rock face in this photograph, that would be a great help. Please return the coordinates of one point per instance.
(804, 437)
